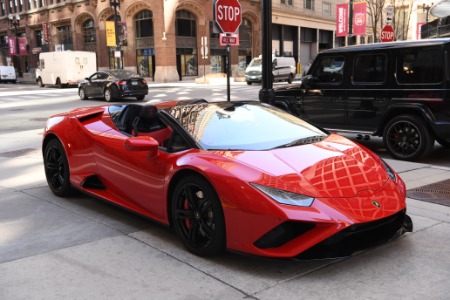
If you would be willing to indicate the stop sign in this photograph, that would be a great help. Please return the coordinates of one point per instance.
(387, 34)
(228, 15)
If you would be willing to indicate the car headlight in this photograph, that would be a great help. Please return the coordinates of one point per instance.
(284, 197)
(389, 171)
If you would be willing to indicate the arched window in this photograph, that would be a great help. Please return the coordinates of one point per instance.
(185, 24)
(144, 24)
(89, 35)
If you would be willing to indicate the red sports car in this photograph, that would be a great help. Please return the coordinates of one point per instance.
(243, 176)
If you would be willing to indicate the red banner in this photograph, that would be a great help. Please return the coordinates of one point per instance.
(13, 47)
(341, 20)
(359, 18)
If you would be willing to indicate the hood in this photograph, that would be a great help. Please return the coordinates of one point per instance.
(335, 167)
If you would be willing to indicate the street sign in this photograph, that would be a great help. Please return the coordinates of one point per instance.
(228, 15)
(229, 39)
(389, 14)
(387, 34)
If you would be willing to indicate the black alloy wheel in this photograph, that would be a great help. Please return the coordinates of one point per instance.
(57, 169)
(140, 98)
(407, 137)
(197, 216)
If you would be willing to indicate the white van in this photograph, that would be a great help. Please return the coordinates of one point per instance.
(283, 68)
(8, 74)
(63, 68)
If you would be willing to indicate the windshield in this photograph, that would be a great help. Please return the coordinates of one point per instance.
(243, 126)
(256, 62)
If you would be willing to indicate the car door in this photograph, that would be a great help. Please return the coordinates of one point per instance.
(132, 176)
(90, 86)
(369, 93)
(323, 92)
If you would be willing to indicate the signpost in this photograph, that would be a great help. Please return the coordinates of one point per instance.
(387, 34)
(228, 16)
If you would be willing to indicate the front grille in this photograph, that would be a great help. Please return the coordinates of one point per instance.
(357, 237)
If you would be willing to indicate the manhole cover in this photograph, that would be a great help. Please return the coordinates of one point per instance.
(438, 193)
(29, 152)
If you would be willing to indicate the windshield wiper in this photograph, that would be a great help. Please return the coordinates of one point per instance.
(303, 141)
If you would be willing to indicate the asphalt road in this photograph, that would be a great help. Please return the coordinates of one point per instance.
(83, 248)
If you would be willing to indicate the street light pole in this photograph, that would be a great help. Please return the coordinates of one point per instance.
(115, 4)
(15, 22)
(426, 7)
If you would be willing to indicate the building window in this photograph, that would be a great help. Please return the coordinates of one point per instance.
(89, 36)
(144, 24)
(326, 8)
(39, 38)
(64, 37)
(288, 2)
(185, 24)
(309, 4)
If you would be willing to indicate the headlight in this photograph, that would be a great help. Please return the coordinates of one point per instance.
(285, 197)
(389, 171)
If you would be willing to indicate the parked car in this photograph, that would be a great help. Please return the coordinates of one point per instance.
(113, 85)
(241, 175)
(283, 69)
(8, 74)
(398, 90)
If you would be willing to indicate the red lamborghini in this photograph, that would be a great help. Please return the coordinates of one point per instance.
(242, 176)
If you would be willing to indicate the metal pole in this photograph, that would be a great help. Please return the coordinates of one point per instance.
(15, 22)
(267, 93)
(228, 70)
(116, 29)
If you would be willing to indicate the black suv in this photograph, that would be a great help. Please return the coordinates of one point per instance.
(398, 90)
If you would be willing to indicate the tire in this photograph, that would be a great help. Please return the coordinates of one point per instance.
(58, 83)
(197, 216)
(39, 81)
(406, 137)
(249, 82)
(82, 94)
(57, 170)
(140, 98)
(108, 95)
(290, 79)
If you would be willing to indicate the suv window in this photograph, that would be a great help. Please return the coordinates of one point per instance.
(329, 70)
(369, 68)
(419, 66)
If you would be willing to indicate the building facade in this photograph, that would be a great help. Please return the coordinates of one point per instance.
(162, 39)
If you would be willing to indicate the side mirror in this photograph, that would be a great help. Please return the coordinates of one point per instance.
(307, 80)
(142, 143)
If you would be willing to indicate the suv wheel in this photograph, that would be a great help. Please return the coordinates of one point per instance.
(407, 137)
(290, 79)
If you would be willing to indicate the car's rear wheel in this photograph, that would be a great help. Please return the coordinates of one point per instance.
(407, 137)
(82, 94)
(40, 83)
(57, 169)
(140, 98)
(58, 83)
(108, 95)
(249, 82)
(198, 217)
(290, 79)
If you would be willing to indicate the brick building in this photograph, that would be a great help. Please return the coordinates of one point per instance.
(161, 39)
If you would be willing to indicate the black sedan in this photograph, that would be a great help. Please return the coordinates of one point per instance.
(113, 85)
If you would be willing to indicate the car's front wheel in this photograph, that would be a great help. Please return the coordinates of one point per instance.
(249, 83)
(290, 79)
(198, 217)
(140, 98)
(40, 83)
(57, 169)
(82, 94)
(407, 137)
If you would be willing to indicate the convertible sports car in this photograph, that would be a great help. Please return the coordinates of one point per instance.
(243, 176)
